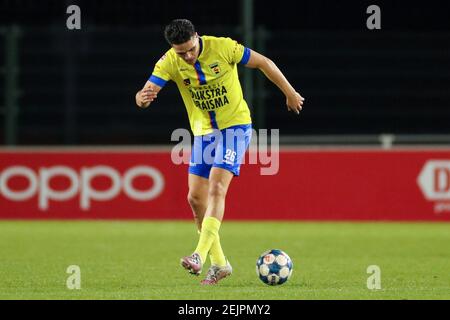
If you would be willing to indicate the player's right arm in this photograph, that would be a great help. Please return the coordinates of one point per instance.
(147, 95)
(160, 76)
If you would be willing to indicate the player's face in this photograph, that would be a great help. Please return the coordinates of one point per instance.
(189, 50)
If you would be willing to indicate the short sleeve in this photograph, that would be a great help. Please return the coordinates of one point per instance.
(162, 72)
(236, 52)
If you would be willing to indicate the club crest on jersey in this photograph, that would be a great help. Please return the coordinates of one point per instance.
(215, 67)
(187, 82)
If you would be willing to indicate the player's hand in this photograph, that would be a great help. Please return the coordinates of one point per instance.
(294, 102)
(145, 97)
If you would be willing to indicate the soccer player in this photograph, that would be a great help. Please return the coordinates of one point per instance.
(205, 70)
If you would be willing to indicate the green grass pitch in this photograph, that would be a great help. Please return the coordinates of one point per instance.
(140, 260)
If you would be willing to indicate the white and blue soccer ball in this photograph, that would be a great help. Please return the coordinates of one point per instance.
(274, 267)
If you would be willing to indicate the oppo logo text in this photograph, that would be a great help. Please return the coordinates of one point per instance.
(80, 183)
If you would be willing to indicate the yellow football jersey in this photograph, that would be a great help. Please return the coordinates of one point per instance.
(210, 89)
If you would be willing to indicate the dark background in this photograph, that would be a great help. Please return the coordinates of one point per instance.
(78, 87)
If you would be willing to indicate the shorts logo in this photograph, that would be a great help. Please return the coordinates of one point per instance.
(215, 67)
(187, 82)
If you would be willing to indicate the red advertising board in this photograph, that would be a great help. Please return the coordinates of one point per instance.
(315, 184)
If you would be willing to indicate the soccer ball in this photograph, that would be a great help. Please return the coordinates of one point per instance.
(274, 267)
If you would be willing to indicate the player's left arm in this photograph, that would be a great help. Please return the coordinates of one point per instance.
(294, 100)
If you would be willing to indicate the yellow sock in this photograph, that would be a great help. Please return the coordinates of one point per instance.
(216, 253)
(210, 231)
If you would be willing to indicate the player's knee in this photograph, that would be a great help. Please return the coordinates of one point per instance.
(194, 200)
(217, 189)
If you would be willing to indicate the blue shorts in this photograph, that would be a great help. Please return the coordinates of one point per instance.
(221, 149)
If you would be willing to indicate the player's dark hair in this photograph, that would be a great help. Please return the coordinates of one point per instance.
(179, 31)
